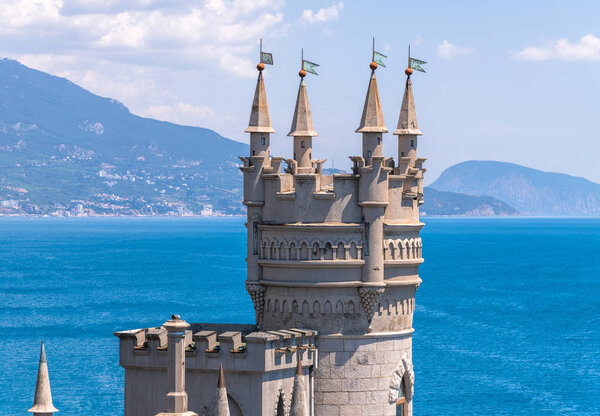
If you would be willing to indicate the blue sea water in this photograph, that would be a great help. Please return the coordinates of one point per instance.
(507, 319)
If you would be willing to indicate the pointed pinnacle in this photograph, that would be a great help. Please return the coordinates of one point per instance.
(42, 402)
(372, 115)
(260, 121)
(280, 404)
(43, 354)
(302, 122)
(407, 121)
(299, 366)
(221, 381)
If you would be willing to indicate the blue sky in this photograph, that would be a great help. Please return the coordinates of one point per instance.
(507, 80)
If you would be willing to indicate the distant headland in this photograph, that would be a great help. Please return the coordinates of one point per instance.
(67, 152)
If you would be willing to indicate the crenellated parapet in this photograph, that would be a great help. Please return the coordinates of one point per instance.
(236, 347)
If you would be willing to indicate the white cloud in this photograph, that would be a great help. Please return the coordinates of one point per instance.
(181, 113)
(322, 15)
(180, 33)
(586, 49)
(449, 51)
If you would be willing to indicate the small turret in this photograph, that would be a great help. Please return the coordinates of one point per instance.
(371, 123)
(259, 125)
(176, 398)
(299, 406)
(302, 129)
(408, 128)
(222, 404)
(42, 403)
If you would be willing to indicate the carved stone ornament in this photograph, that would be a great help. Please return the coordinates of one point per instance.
(404, 371)
(257, 294)
(369, 298)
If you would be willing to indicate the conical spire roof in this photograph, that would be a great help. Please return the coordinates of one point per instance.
(372, 115)
(299, 406)
(222, 404)
(42, 403)
(407, 122)
(260, 121)
(302, 123)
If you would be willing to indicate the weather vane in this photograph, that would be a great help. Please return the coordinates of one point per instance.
(377, 58)
(414, 64)
(307, 66)
(264, 58)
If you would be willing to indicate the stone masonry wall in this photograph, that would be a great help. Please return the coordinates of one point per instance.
(361, 375)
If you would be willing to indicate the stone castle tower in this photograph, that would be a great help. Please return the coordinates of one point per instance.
(333, 267)
(339, 253)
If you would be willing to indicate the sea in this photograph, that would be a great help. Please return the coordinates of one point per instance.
(507, 319)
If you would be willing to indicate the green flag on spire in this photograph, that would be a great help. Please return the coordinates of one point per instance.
(378, 58)
(309, 66)
(416, 64)
(266, 58)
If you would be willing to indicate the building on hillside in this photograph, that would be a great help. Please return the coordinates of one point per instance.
(207, 210)
(333, 267)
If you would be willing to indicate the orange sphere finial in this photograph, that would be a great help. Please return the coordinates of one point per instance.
(302, 73)
(373, 65)
(408, 71)
(260, 66)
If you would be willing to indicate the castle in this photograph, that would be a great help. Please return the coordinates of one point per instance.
(333, 267)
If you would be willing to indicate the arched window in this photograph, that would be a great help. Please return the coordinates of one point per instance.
(401, 404)
(234, 407)
(341, 254)
(315, 252)
(328, 252)
(303, 252)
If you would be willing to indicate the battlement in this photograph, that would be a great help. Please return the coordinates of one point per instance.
(237, 347)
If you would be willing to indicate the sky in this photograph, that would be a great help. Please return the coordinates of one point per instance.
(506, 80)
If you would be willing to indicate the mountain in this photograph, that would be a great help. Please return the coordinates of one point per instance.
(531, 191)
(64, 149)
(456, 204)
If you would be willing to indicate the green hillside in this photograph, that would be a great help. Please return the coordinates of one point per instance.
(64, 149)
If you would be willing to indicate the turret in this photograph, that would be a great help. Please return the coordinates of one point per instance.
(260, 129)
(259, 125)
(221, 405)
(303, 129)
(408, 128)
(373, 187)
(176, 398)
(42, 403)
(372, 125)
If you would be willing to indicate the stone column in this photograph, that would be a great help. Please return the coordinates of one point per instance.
(177, 403)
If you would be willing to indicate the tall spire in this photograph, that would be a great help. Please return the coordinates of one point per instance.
(299, 406)
(407, 121)
(222, 404)
(42, 403)
(260, 121)
(372, 115)
(302, 123)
